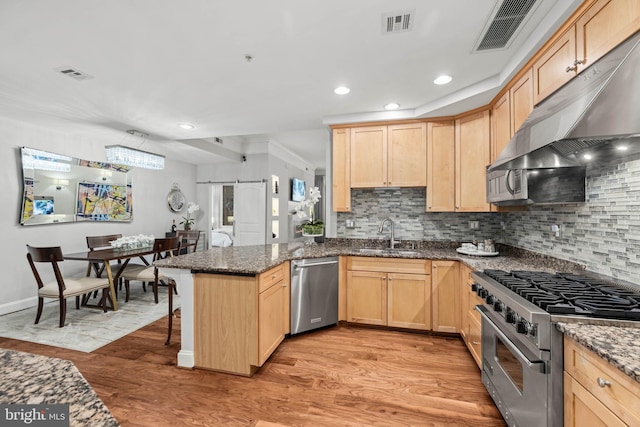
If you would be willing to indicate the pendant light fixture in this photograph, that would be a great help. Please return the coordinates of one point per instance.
(123, 155)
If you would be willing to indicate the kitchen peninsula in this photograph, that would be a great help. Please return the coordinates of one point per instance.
(222, 288)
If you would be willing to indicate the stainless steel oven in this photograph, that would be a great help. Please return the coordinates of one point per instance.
(522, 351)
(516, 379)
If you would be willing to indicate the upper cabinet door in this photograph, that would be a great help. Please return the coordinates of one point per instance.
(605, 25)
(441, 168)
(341, 170)
(521, 94)
(407, 155)
(554, 67)
(501, 126)
(472, 158)
(369, 157)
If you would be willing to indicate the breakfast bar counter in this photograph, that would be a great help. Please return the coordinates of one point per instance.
(219, 268)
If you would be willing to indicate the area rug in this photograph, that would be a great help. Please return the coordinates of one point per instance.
(89, 328)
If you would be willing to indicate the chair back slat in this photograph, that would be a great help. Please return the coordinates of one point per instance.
(188, 240)
(95, 242)
(51, 255)
(163, 247)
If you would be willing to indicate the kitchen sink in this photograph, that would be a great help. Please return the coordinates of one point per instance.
(387, 251)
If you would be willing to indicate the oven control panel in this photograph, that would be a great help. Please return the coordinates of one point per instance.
(520, 324)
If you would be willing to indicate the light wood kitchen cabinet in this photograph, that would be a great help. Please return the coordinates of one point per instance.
(341, 170)
(473, 150)
(409, 301)
(521, 97)
(500, 125)
(240, 320)
(441, 168)
(595, 392)
(599, 29)
(470, 323)
(445, 296)
(388, 156)
(367, 297)
(389, 292)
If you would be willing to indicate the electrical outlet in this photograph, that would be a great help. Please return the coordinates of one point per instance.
(350, 223)
(474, 225)
(555, 228)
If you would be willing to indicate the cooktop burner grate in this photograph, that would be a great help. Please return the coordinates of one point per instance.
(566, 293)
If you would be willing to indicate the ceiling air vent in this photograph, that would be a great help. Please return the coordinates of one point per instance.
(73, 73)
(504, 22)
(397, 22)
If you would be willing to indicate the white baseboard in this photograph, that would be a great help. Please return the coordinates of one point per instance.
(186, 359)
(14, 306)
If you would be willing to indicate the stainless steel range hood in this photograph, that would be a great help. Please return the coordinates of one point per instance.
(596, 114)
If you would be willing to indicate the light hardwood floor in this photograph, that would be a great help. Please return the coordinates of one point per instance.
(342, 376)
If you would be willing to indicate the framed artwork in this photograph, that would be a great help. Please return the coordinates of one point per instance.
(103, 202)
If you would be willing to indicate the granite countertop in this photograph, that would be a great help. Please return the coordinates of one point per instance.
(616, 344)
(31, 379)
(252, 260)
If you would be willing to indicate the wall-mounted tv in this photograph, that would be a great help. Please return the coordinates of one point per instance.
(43, 205)
(298, 190)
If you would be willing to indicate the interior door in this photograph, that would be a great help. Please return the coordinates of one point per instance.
(249, 214)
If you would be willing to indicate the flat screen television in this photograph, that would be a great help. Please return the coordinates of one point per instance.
(43, 205)
(298, 190)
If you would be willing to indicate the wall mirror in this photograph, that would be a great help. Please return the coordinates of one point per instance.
(59, 188)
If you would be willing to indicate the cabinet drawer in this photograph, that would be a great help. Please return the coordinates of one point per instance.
(271, 277)
(613, 388)
(581, 408)
(389, 265)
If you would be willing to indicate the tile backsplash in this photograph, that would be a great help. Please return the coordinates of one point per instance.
(406, 207)
(603, 233)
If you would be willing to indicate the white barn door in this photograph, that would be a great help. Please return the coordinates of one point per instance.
(249, 213)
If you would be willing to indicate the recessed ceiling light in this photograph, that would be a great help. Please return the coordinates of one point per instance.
(342, 90)
(186, 126)
(392, 106)
(622, 147)
(443, 79)
(587, 156)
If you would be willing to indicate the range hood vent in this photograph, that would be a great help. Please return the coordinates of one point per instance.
(594, 118)
(505, 20)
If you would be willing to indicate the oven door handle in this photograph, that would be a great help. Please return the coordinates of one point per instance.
(507, 342)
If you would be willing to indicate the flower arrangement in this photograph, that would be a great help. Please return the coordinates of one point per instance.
(189, 220)
(312, 226)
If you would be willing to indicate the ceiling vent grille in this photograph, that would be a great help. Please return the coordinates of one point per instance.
(397, 22)
(73, 73)
(505, 21)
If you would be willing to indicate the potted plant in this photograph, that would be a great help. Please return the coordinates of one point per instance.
(189, 220)
(311, 227)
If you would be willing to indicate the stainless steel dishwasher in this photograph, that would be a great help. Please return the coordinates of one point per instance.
(314, 293)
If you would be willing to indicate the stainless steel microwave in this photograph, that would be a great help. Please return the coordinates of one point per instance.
(516, 187)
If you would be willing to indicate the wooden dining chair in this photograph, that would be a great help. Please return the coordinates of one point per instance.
(188, 240)
(62, 288)
(162, 248)
(102, 242)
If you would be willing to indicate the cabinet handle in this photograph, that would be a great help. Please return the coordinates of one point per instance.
(603, 383)
(273, 276)
(284, 285)
(475, 342)
(575, 65)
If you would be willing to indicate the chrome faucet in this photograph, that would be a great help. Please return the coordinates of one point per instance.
(392, 243)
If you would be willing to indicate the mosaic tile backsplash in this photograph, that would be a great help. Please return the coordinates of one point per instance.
(603, 233)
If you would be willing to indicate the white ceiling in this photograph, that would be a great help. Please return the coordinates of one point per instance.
(158, 63)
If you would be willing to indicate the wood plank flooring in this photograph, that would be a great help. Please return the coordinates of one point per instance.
(341, 376)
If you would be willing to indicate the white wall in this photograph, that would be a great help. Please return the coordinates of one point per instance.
(150, 212)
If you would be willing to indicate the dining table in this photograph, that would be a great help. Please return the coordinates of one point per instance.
(112, 254)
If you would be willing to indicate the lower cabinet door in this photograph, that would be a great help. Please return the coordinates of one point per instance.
(271, 322)
(367, 297)
(409, 302)
(581, 408)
